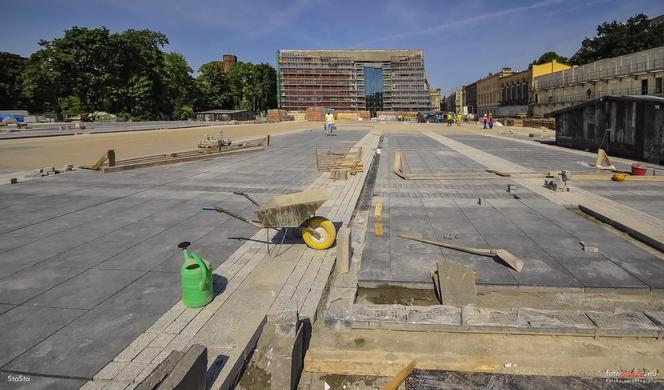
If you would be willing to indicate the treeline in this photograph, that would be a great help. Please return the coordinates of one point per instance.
(127, 74)
(614, 39)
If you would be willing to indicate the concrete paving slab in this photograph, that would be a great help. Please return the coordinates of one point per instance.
(87, 290)
(23, 327)
(31, 281)
(599, 272)
(88, 255)
(85, 346)
(6, 307)
(8, 269)
(533, 228)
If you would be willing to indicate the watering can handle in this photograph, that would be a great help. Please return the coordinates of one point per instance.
(201, 264)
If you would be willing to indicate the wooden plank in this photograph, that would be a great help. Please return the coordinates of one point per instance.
(124, 167)
(378, 228)
(96, 166)
(378, 211)
(401, 376)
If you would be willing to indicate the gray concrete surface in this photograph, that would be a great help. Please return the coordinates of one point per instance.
(88, 260)
(544, 235)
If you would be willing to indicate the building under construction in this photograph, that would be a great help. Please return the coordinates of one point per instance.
(371, 80)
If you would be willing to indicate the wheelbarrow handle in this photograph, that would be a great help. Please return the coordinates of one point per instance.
(232, 214)
(252, 200)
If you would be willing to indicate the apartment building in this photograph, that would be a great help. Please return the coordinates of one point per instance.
(488, 92)
(639, 73)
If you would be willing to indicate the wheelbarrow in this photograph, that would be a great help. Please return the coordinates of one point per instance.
(289, 211)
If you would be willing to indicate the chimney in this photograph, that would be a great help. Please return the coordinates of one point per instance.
(229, 61)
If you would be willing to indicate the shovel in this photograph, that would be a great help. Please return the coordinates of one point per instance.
(502, 254)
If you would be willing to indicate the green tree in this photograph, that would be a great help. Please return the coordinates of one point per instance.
(11, 66)
(180, 85)
(615, 39)
(213, 88)
(120, 72)
(71, 106)
(548, 57)
(253, 86)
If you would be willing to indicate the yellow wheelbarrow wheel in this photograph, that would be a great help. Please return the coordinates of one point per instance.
(325, 229)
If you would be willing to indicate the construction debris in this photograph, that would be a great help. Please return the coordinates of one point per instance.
(588, 248)
(210, 143)
(220, 147)
(557, 181)
(339, 161)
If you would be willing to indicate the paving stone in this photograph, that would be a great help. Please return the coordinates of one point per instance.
(147, 355)
(86, 290)
(88, 255)
(130, 371)
(457, 283)
(25, 326)
(124, 316)
(31, 281)
(599, 272)
(6, 307)
(111, 370)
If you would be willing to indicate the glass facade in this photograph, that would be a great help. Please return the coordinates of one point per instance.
(373, 89)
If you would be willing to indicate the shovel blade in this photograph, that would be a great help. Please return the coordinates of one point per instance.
(510, 259)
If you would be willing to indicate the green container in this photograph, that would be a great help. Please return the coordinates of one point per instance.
(196, 276)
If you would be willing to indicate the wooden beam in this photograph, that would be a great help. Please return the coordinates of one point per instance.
(401, 376)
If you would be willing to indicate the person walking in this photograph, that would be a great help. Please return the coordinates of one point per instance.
(490, 121)
(484, 120)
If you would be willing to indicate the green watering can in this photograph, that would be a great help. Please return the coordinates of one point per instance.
(197, 286)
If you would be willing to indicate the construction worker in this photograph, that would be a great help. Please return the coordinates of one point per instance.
(459, 119)
(449, 119)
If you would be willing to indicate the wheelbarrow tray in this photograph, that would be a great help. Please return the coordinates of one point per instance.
(290, 210)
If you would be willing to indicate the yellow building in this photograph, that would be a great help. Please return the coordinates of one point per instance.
(549, 67)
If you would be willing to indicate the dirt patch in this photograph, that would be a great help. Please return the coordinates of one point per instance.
(507, 299)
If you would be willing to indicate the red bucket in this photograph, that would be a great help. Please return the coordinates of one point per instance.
(638, 170)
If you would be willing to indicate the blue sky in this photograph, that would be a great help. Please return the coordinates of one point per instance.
(462, 40)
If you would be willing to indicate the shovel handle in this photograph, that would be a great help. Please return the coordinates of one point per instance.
(475, 251)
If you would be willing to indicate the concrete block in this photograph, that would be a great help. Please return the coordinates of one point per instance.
(288, 361)
(457, 283)
(344, 250)
(189, 373)
(161, 371)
